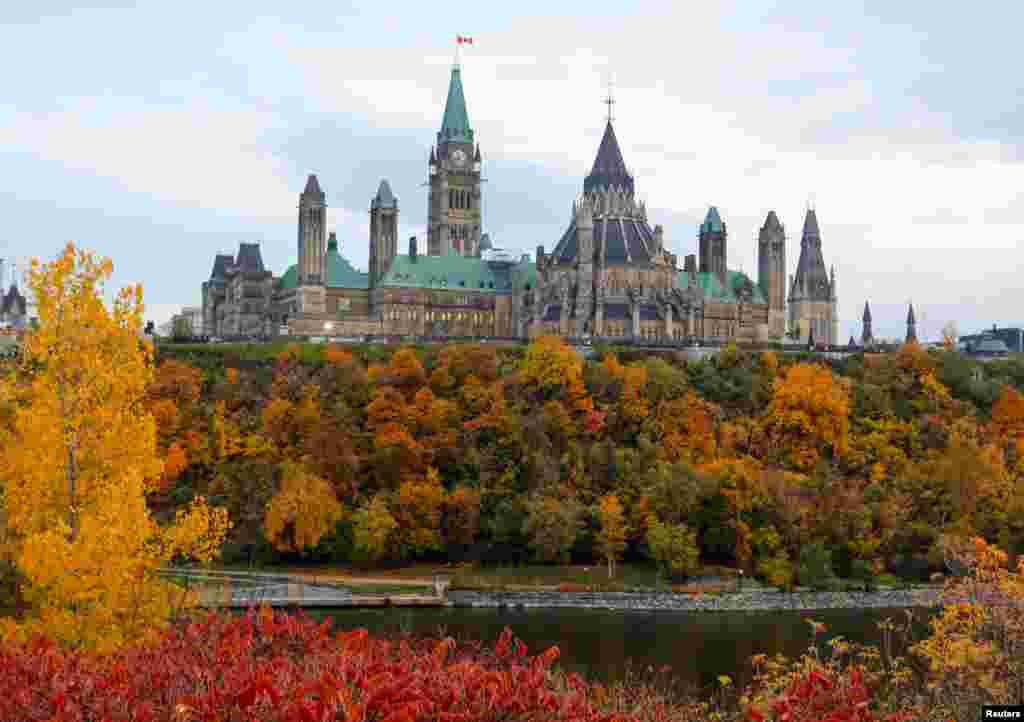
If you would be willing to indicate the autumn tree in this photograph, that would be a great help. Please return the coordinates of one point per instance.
(808, 417)
(611, 536)
(417, 510)
(975, 654)
(79, 459)
(302, 512)
(673, 547)
(461, 522)
(552, 524)
(373, 528)
(551, 369)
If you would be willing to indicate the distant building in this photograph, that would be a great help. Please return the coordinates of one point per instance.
(996, 342)
(13, 305)
(188, 323)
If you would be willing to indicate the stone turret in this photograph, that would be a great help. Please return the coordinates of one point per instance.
(312, 233)
(585, 267)
(383, 232)
(812, 298)
(311, 291)
(867, 337)
(771, 272)
(911, 326)
(712, 239)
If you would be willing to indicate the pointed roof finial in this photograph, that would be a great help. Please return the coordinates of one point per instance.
(312, 186)
(811, 229)
(384, 198)
(609, 99)
(712, 221)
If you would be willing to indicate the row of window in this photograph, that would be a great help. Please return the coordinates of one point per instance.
(460, 199)
(411, 315)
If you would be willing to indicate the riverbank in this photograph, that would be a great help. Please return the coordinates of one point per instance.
(753, 601)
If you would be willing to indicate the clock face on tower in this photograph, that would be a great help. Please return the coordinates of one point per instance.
(458, 157)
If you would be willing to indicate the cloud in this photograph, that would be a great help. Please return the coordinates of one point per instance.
(203, 120)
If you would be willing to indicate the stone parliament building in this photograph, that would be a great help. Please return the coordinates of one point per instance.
(608, 276)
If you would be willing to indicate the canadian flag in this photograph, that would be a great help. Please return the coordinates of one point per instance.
(463, 40)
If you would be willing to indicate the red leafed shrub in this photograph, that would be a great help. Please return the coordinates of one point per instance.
(272, 667)
(822, 695)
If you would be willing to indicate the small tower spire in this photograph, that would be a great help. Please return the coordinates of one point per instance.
(867, 337)
(911, 325)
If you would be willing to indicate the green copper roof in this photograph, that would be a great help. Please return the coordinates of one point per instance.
(452, 272)
(711, 288)
(455, 125)
(340, 273)
(290, 278)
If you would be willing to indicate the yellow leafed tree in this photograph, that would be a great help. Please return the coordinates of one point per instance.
(809, 414)
(304, 511)
(77, 462)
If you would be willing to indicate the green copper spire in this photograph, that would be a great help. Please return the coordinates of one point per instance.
(455, 126)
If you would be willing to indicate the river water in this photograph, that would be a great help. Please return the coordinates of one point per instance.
(603, 645)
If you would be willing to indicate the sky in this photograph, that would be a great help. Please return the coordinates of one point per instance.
(160, 134)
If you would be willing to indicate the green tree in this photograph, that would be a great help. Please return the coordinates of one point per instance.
(673, 547)
(374, 529)
(552, 525)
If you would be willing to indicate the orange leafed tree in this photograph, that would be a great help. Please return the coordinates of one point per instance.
(1008, 422)
(78, 461)
(418, 513)
(611, 538)
(809, 415)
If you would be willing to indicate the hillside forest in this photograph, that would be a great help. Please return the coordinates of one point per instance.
(787, 467)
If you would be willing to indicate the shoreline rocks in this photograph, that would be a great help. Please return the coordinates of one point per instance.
(752, 601)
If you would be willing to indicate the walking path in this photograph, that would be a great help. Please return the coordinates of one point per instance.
(235, 590)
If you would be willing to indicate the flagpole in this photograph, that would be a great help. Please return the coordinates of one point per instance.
(457, 44)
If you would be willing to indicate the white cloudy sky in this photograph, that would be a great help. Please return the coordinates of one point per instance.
(161, 133)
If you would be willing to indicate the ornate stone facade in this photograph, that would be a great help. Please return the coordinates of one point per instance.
(609, 276)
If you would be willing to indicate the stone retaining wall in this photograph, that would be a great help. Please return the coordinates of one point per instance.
(659, 601)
